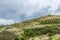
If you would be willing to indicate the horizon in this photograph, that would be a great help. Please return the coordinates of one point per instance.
(28, 20)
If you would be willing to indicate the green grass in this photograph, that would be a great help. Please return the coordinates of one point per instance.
(2, 26)
(51, 21)
(50, 30)
(31, 28)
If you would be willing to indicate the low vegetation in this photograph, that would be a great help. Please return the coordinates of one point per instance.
(35, 29)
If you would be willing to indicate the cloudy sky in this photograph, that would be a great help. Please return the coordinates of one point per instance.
(12, 11)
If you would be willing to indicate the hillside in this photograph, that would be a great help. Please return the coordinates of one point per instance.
(42, 28)
(49, 19)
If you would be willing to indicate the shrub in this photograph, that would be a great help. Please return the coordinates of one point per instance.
(50, 30)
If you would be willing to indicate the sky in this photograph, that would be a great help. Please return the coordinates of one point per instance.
(12, 11)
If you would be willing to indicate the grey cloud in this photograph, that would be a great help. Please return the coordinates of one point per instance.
(14, 9)
(39, 13)
(20, 10)
(58, 9)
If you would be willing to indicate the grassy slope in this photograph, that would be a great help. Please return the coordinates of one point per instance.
(50, 19)
(47, 25)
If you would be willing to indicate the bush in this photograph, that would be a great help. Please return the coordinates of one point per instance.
(50, 30)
